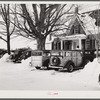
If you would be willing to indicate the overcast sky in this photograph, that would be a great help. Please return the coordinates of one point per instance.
(88, 7)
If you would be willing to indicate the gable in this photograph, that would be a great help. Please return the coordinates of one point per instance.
(76, 28)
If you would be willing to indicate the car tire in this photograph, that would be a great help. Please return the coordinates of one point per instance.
(56, 61)
(37, 67)
(48, 68)
(46, 64)
(86, 62)
(56, 69)
(70, 67)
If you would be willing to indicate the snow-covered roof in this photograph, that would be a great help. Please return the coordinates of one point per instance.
(89, 24)
(86, 22)
(78, 36)
(89, 8)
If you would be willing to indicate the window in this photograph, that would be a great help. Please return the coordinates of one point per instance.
(87, 44)
(67, 44)
(59, 46)
(34, 53)
(76, 29)
(90, 44)
(56, 45)
(83, 44)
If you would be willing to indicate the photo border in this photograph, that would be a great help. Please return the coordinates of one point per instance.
(39, 95)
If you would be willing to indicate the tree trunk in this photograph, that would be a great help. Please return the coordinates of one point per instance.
(8, 44)
(7, 20)
(41, 43)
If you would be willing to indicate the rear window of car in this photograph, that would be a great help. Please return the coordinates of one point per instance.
(36, 53)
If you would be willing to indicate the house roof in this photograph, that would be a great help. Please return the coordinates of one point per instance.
(86, 22)
(89, 24)
(74, 37)
(89, 8)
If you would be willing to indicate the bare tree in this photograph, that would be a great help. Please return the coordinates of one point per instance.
(42, 20)
(7, 28)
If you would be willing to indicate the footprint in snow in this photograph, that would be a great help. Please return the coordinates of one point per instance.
(53, 73)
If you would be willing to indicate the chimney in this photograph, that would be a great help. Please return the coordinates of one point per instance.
(76, 10)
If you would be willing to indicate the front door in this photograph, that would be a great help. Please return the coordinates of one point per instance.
(75, 44)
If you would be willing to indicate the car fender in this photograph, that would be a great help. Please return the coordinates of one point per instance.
(67, 62)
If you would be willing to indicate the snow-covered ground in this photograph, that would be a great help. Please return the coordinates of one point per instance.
(24, 77)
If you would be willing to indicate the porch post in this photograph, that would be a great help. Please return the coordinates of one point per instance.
(80, 44)
(61, 45)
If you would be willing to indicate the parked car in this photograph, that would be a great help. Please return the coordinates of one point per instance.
(2, 52)
(20, 54)
(40, 58)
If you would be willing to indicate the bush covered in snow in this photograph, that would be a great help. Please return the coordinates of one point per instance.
(6, 58)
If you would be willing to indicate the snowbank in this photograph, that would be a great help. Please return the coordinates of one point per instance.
(22, 76)
(89, 75)
(26, 62)
(91, 70)
(5, 58)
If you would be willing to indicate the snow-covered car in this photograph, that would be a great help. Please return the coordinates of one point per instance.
(2, 52)
(20, 54)
(40, 58)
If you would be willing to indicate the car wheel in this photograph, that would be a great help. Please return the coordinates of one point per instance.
(56, 69)
(56, 61)
(46, 64)
(86, 62)
(48, 68)
(70, 67)
(37, 67)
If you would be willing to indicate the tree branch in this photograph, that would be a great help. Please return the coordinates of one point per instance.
(3, 39)
(29, 20)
